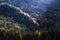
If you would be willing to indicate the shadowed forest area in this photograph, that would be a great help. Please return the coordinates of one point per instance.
(46, 35)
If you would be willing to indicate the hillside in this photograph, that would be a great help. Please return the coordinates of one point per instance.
(18, 16)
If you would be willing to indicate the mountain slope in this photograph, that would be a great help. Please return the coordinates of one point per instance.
(18, 15)
(52, 16)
